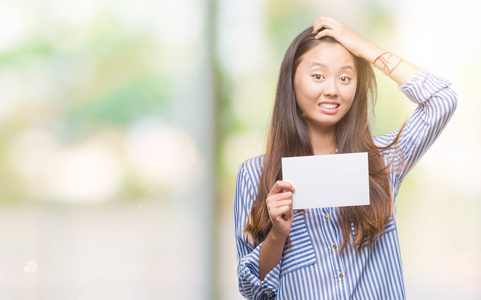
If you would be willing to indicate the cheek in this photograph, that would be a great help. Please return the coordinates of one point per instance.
(348, 98)
(350, 93)
(307, 90)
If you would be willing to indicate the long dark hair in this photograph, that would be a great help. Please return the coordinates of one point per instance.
(289, 136)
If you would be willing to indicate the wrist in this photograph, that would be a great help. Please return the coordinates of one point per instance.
(276, 237)
(372, 51)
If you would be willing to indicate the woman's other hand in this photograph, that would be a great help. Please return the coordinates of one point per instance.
(347, 37)
(363, 48)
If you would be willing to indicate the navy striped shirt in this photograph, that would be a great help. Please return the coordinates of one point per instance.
(313, 268)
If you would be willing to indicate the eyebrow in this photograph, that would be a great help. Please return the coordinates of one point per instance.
(314, 64)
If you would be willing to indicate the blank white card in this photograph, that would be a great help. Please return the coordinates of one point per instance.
(328, 180)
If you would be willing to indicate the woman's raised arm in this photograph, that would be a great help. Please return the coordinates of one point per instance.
(392, 65)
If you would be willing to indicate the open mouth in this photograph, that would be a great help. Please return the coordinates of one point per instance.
(328, 105)
(329, 108)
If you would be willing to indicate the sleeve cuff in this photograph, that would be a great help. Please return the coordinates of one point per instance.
(422, 86)
(249, 271)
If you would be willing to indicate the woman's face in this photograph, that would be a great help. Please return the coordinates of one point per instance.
(325, 84)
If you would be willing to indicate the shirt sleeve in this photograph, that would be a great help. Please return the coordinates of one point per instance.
(436, 104)
(250, 286)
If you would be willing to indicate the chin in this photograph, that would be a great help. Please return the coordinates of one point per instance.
(323, 123)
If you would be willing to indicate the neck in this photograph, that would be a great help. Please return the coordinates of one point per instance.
(323, 140)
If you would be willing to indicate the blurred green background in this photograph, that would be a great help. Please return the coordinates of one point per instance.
(122, 125)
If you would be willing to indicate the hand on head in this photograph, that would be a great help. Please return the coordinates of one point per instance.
(353, 42)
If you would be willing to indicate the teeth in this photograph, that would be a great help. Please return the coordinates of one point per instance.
(328, 105)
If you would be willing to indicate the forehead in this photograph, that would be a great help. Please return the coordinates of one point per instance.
(328, 55)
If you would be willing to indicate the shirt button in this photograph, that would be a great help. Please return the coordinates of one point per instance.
(268, 292)
(326, 217)
(340, 275)
(334, 246)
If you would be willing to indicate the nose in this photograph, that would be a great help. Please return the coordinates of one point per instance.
(330, 88)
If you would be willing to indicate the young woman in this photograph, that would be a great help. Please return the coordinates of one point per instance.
(321, 107)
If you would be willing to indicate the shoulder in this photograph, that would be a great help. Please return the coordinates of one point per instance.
(253, 167)
(247, 184)
(250, 171)
(256, 163)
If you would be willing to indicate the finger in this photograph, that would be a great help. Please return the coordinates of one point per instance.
(272, 207)
(322, 17)
(331, 19)
(326, 32)
(280, 185)
(274, 198)
(323, 21)
(318, 25)
(324, 24)
(315, 24)
(281, 203)
(284, 210)
(288, 215)
(324, 28)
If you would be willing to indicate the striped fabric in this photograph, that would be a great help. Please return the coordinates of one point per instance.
(312, 267)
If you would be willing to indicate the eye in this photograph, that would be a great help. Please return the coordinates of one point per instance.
(345, 79)
(318, 76)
